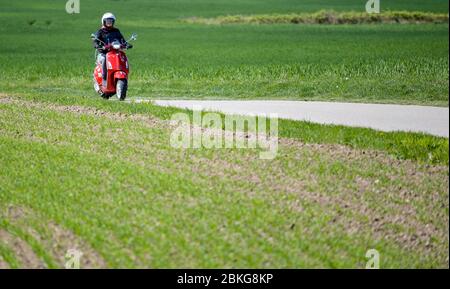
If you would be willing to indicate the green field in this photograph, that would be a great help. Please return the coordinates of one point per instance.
(101, 176)
(50, 50)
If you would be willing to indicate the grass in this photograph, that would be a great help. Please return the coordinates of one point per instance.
(9, 257)
(77, 171)
(119, 184)
(408, 146)
(418, 147)
(328, 17)
(405, 64)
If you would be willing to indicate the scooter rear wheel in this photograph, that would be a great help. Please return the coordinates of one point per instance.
(121, 89)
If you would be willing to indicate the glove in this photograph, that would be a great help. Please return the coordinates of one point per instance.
(129, 46)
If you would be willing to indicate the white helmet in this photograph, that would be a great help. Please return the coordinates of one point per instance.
(108, 16)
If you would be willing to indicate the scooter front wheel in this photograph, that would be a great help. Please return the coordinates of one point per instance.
(121, 89)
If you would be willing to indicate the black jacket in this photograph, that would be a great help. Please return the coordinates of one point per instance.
(107, 35)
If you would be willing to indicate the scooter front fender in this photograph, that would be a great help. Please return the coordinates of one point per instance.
(120, 75)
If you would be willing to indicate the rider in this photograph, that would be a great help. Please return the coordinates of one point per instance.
(107, 34)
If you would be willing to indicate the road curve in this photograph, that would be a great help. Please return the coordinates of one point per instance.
(385, 117)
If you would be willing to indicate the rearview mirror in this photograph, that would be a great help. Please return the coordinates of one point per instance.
(133, 36)
(93, 36)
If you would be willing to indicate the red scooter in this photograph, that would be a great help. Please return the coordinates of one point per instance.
(117, 70)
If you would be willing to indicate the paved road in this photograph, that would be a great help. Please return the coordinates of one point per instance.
(385, 117)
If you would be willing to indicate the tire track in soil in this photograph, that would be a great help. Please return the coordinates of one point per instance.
(23, 252)
(54, 238)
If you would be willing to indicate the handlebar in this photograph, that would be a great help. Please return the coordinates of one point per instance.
(122, 47)
(125, 46)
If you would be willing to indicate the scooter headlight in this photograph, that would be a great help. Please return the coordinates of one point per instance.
(116, 46)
